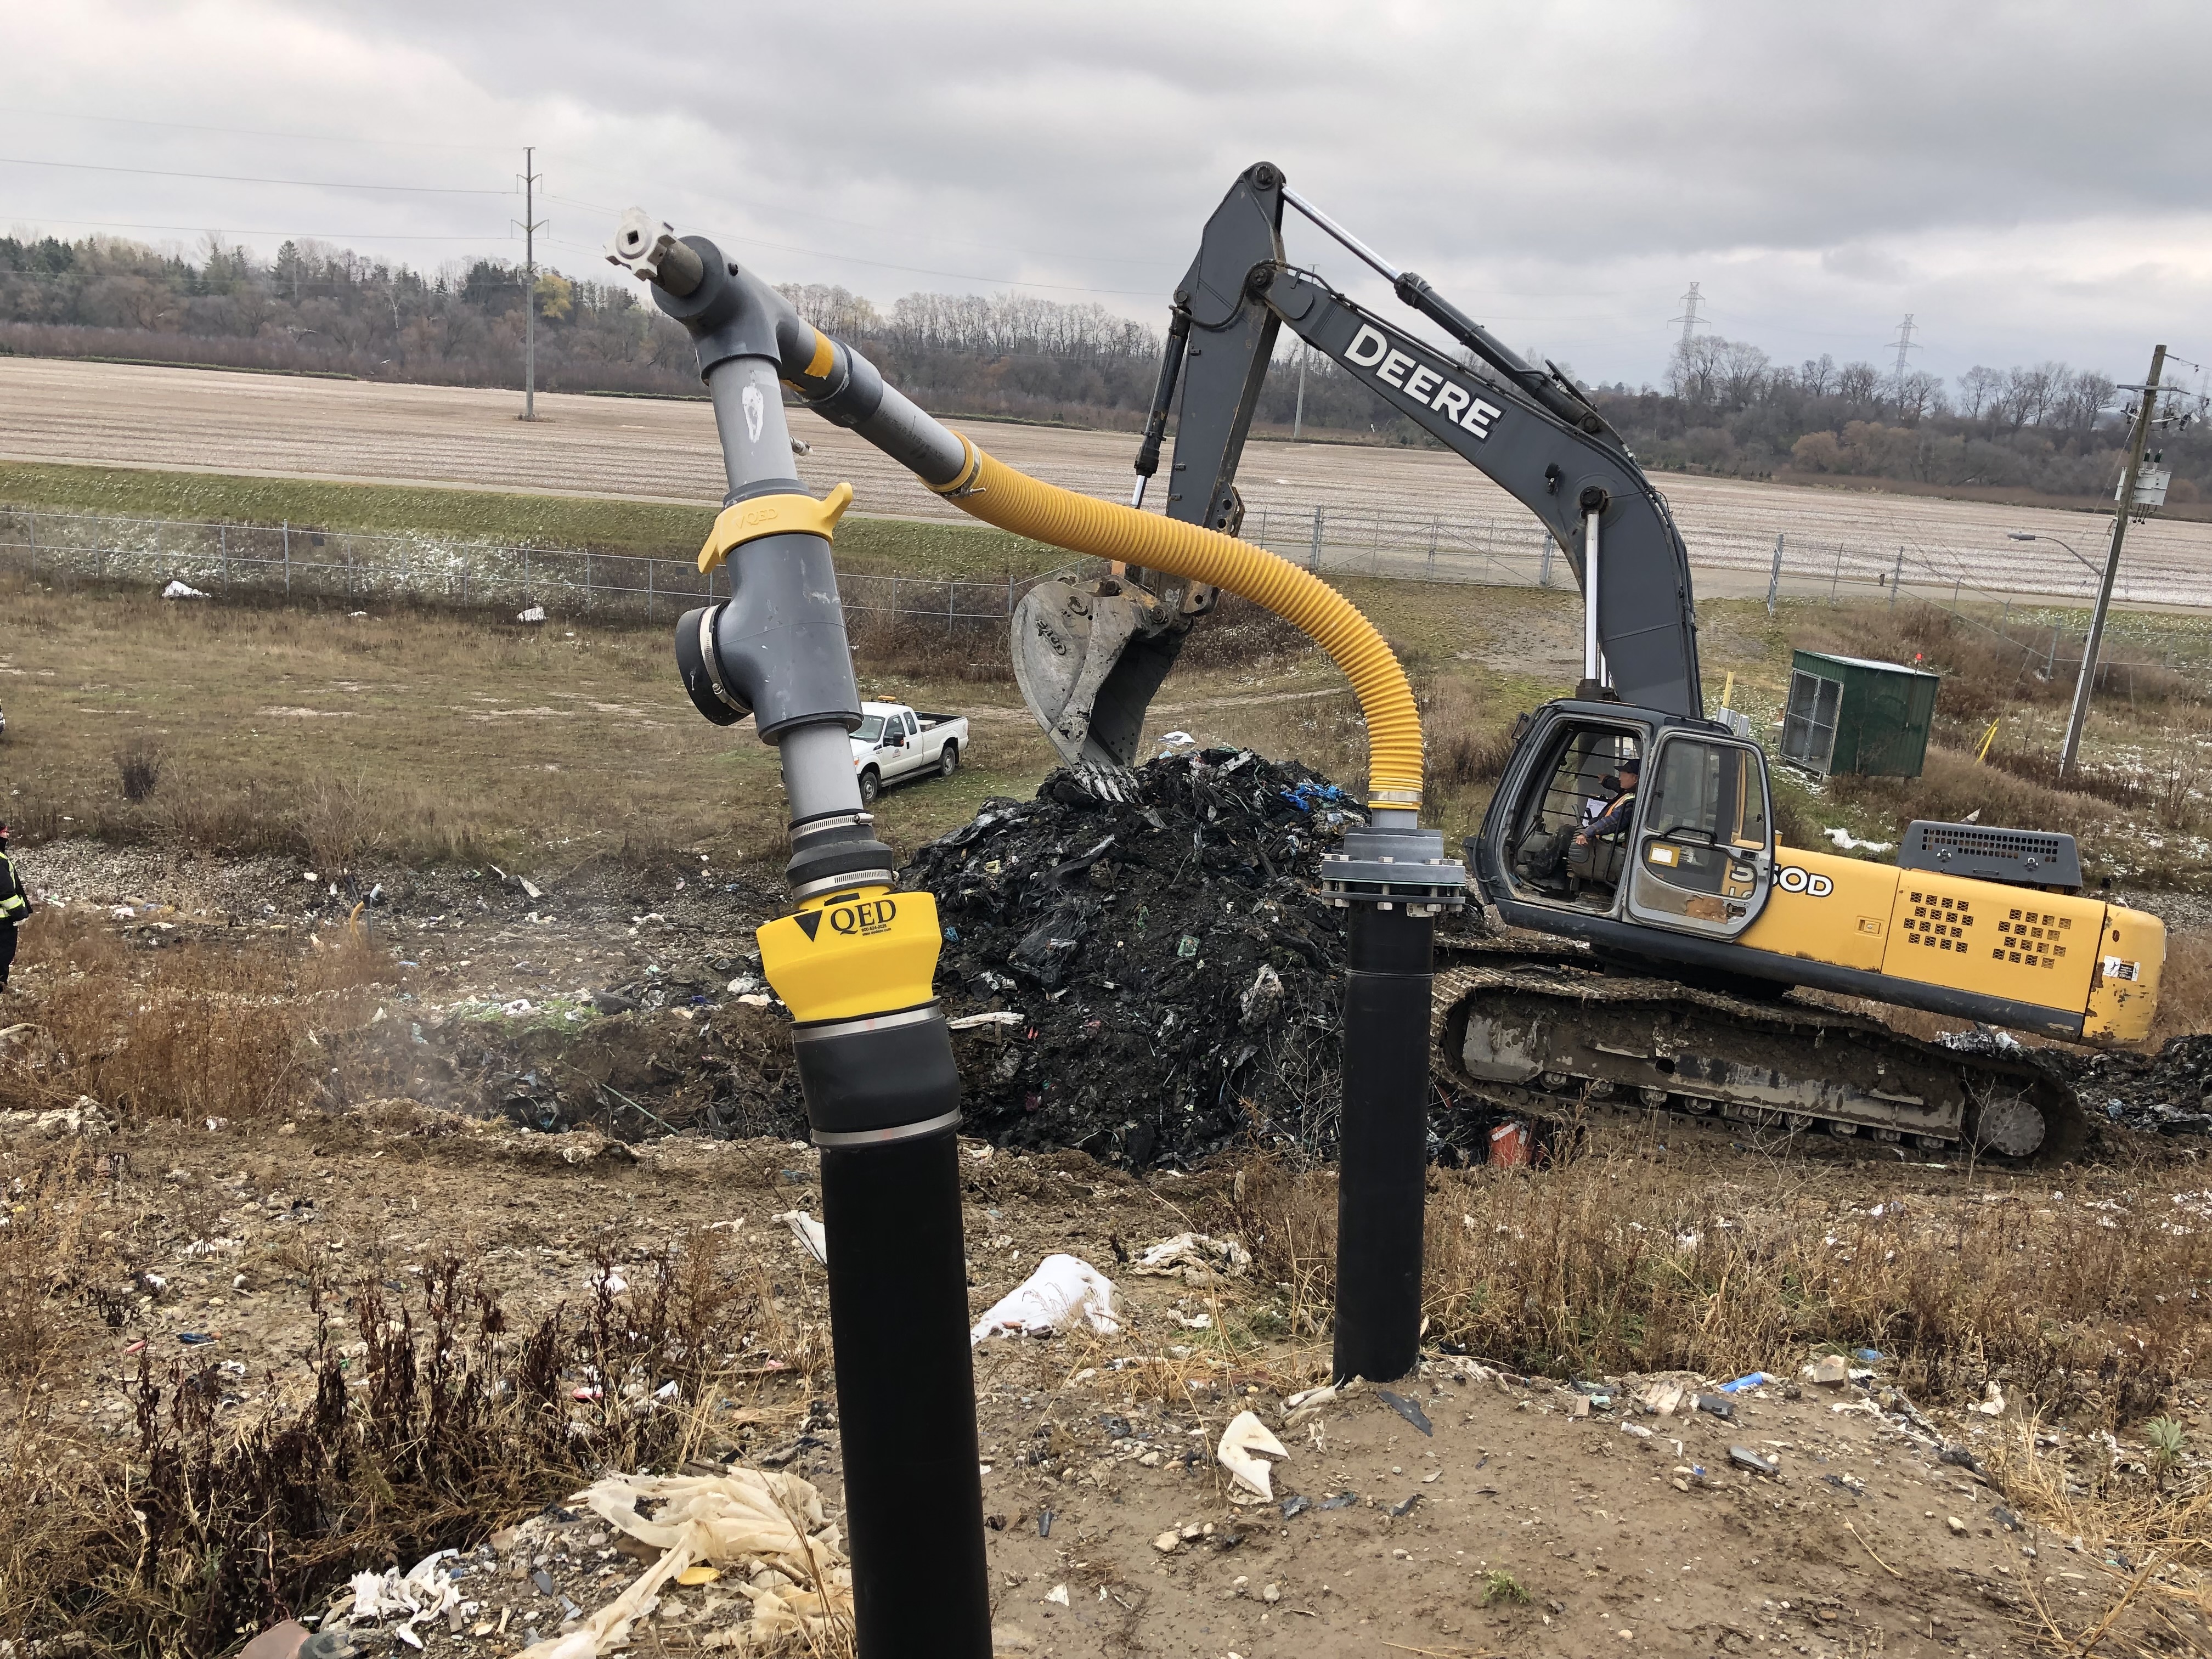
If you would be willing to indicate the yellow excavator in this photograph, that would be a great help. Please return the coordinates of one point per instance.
(1630, 831)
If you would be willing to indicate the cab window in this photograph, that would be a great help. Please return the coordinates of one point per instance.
(1707, 792)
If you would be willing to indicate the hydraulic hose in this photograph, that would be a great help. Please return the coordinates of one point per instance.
(997, 494)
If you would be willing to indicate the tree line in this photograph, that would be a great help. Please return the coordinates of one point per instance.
(2047, 427)
(1724, 406)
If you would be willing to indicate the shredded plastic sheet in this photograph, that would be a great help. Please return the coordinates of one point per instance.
(1063, 1288)
(1194, 1258)
(811, 1237)
(1246, 1445)
(769, 1525)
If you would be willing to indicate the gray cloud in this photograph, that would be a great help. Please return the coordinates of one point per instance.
(1565, 169)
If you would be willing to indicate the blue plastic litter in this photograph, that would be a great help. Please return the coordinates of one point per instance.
(1868, 1355)
(1742, 1382)
(951, 935)
(1306, 795)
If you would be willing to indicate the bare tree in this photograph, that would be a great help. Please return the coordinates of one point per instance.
(1816, 376)
(1858, 382)
(1918, 394)
(1978, 387)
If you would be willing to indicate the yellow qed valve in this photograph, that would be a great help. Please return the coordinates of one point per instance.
(859, 952)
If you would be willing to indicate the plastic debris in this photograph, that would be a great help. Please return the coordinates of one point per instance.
(1744, 1458)
(1719, 1405)
(1063, 1288)
(1195, 1258)
(1246, 1444)
(1992, 1402)
(1408, 1409)
(731, 1520)
(1398, 1511)
(1343, 1500)
(972, 1021)
(535, 613)
(809, 1233)
(1296, 1504)
(424, 1591)
(1756, 1379)
(182, 591)
(1830, 1369)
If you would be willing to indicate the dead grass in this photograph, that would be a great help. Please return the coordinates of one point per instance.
(198, 1030)
(458, 1425)
(1613, 1262)
(424, 736)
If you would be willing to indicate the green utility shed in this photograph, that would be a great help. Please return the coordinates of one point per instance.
(1848, 714)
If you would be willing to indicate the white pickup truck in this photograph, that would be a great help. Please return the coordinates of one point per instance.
(894, 742)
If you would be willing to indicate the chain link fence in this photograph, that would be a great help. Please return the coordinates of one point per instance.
(306, 562)
(1396, 544)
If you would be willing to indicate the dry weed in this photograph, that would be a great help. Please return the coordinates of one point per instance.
(1609, 1262)
(459, 1426)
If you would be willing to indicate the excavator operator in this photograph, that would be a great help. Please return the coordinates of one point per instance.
(1615, 820)
(1596, 857)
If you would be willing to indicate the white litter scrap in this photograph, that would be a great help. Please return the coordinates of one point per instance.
(1063, 1288)
(535, 613)
(424, 1591)
(800, 1587)
(1246, 1445)
(1847, 842)
(182, 591)
(1195, 1258)
(811, 1237)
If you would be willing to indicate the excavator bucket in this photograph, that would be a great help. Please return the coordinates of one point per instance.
(1089, 654)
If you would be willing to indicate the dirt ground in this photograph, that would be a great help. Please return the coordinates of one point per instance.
(122, 414)
(1625, 1531)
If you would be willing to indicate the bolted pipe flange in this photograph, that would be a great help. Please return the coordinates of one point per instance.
(1394, 867)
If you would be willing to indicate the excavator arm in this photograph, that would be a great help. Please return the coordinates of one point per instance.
(1090, 655)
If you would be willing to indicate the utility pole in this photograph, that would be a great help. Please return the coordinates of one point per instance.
(530, 227)
(2146, 408)
(1298, 417)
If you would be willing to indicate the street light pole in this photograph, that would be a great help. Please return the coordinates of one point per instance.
(2145, 408)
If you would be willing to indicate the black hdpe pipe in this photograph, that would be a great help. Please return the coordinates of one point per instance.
(855, 963)
(1383, 1144)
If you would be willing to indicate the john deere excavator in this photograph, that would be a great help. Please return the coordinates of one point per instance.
(1630, 832)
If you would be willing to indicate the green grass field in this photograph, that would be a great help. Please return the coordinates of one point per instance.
(864, 544)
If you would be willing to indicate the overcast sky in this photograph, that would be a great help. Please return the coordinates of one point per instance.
(2028, 180)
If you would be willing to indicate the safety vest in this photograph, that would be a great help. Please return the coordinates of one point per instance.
(14, 907)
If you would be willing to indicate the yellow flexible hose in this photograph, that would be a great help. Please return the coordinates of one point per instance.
(997, 494)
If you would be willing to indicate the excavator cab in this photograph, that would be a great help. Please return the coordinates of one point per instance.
(1696, 853)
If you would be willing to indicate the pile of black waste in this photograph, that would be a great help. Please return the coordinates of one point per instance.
(2169, 1092)
(1166, 980)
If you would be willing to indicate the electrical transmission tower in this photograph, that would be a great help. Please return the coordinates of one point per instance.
(1690, 321)
(1905, 343)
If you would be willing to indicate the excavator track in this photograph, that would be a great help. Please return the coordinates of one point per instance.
(1548, 1034)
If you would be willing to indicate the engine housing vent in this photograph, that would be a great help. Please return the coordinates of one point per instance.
(2024, 858)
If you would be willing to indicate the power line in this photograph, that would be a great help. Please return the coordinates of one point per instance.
(216, 230)
(238, 132)
(247, 178)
